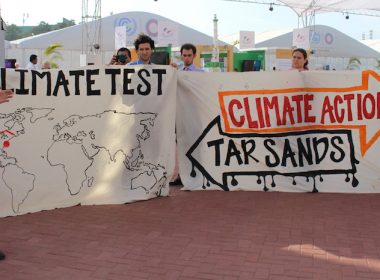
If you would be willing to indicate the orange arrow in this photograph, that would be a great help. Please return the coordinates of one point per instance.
(362, 128)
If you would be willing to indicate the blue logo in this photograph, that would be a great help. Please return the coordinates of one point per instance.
(130, 24)
(315, 38)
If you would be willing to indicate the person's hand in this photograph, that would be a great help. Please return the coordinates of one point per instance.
(173, 64)
(5, 95)
(114, 60)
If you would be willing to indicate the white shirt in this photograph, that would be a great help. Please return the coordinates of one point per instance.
(31, 66)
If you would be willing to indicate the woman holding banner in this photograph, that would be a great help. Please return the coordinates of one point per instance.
(299, 60)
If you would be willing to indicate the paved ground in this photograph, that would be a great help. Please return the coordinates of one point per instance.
(200, 235)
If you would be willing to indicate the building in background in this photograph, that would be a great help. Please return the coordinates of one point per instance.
(157, 27)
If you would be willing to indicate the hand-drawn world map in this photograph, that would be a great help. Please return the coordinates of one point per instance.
(75, 141)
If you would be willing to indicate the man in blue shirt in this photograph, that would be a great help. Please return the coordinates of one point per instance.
(188, 53)
(144, 46)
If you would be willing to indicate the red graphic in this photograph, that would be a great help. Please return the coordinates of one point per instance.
(6, 143)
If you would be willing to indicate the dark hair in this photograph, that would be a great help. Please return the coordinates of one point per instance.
(124, 50)
(32, 57)
(142, 39)
(189, 46)
(304, 53)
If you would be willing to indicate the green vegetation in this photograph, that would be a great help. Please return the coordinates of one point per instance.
(354, 64)
(14, 32)
(53, 54)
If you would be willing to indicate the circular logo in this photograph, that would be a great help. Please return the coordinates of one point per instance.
(129, 23)
(151, 27)
(329, 38)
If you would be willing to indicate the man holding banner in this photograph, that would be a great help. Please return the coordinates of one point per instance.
(144, 46)
(188, 53)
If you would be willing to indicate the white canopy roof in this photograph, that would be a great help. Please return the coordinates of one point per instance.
(307, 6)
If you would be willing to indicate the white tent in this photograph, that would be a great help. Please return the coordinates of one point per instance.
(372, 43)
(328, 45)
(325, 41)
(71, 37)
(331, 49)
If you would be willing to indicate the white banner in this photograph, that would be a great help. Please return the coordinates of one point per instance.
(86, 136)
(247, 39)
(280, 131)
(301, 38)
(120, 37)
(167, 33)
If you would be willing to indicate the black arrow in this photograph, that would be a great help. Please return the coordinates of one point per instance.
(222, 181)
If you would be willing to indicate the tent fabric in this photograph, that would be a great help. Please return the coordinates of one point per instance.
(372, 43)
(308, 6)
(137, 22)
(325, 41)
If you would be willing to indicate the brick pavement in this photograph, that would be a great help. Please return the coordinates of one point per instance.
(200, 235)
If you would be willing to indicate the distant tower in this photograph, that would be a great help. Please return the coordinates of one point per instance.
(363, 36)
(215, 49)
(371, 34)
(24, 17)
(91, 27)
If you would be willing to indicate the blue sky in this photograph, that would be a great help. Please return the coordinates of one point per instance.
(197, 14)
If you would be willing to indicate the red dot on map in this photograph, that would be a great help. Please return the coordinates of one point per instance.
(6, 144)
